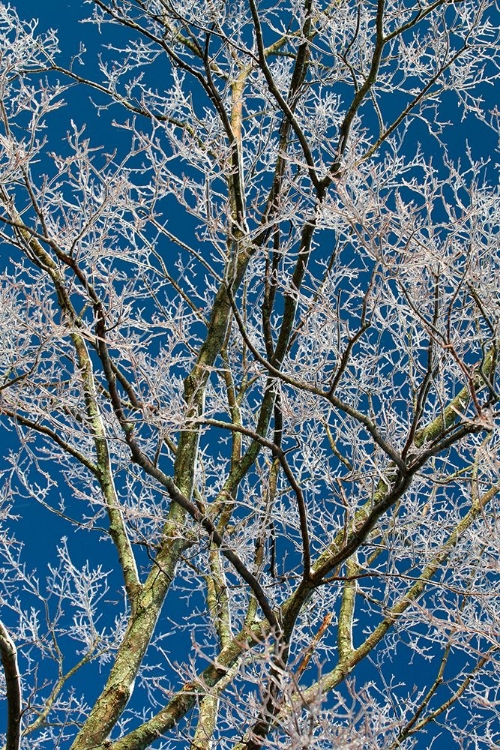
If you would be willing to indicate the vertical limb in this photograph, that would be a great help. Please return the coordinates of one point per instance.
(8, 653)
(346, 615)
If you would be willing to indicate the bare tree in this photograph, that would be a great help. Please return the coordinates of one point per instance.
(248, 343)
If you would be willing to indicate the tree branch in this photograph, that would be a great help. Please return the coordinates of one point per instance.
(8, 653)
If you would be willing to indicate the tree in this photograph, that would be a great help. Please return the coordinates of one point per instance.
(249, 343)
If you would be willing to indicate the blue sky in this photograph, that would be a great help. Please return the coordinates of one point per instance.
(64, 17)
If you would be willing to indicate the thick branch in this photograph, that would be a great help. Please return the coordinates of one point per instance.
(8, 653)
